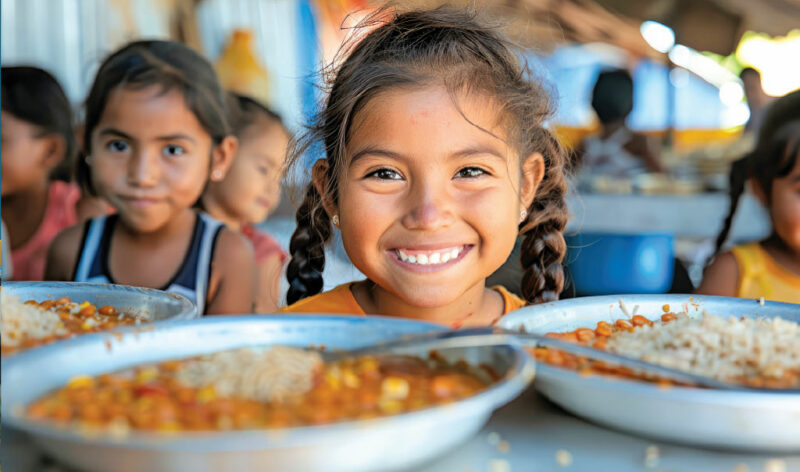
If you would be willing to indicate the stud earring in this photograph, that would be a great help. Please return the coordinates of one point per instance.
(335, 220)
(522, 215)
(216, 175)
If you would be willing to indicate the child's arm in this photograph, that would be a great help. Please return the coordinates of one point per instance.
(268, 288)
(721, 277)
(62, 255)
(233, 276)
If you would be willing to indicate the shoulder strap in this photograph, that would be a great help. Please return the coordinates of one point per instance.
(90, 246)
(208, 241)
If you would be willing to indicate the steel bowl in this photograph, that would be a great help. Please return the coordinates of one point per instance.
(389, 443)
(737, 420)
(156, 304)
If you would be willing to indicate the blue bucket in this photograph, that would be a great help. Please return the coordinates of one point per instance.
(607, 263)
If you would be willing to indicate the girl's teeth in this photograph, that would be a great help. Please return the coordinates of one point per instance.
(430, 259)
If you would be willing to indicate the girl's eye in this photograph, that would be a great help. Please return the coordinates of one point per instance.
(117, 146)
(173, 150)
(385, 174)
(263, 170)
(470, 173)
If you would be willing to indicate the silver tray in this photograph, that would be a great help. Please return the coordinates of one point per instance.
(699, 417)
(157, 304)
(381, 444)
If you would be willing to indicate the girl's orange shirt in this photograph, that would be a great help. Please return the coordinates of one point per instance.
(340, 300)
(761, 276)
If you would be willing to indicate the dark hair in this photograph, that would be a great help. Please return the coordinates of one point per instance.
(33, 95)
(612, 96)
(441, 46)
(243, 111)
(167, 64)
(775, 155)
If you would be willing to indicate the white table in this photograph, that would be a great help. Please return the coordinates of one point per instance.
(697, 216)
(536, 429)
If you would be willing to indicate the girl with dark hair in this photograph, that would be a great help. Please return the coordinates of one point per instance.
(769, 268)
(252, 189)
(155, 132)
(435, 160)
(38, 146)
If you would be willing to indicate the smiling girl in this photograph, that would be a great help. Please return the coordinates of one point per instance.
(155, 132)
(435, 161)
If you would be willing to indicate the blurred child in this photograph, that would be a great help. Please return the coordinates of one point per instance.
(251, 190)
(37, 145)
(5, 254)
(435, 160)
(616, 151)
(155, 132)
(769, 268)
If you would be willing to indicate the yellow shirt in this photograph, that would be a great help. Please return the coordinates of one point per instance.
(761, 276)
(341, 300)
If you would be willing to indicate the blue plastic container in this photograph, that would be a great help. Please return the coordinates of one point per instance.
(607, 263)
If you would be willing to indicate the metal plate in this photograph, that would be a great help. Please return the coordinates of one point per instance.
(385, 443)
(158, 304)
(731, 420)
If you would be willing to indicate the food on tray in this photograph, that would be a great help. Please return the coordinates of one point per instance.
(749, 351)
(31, 324)
(250, 388)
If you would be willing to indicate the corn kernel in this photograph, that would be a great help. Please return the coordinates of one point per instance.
(394, 388)
(206, 394)
(147, 374)
(80, 381)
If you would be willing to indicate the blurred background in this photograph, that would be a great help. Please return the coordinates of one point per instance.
(686, 58)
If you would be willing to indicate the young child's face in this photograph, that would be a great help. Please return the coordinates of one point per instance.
(785, 208)
(25, 156)
(150, 156)
(252, 187)
(429, 204)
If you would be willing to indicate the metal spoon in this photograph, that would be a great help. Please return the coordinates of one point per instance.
(489, 336)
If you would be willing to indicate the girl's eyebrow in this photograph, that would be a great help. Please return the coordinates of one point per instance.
(169, 137)
(466, 152)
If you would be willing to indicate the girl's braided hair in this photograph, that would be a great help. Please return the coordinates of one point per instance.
(775, 155)
(448, 47)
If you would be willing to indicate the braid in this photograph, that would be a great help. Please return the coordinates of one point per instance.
(543, 247)
(307, 248)
(737, 179)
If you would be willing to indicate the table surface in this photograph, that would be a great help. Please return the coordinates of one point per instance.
(534, 431)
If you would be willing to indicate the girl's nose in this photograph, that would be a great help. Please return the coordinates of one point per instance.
(431, 207)
(143, 169)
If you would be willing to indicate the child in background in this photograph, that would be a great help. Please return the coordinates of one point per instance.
(616, 151)
(37, 143)
(155, 132)
(251, 190)
(6, 266)
(435, 160)
(769, 268)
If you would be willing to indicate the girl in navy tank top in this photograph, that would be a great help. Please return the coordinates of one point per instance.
(155, 133)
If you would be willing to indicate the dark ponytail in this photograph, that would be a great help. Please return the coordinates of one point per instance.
(736, 182)
(543, 246)
(307, 248)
